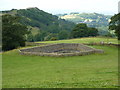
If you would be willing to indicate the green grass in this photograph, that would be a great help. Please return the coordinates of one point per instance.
(85, 40)
(91, 71)
(35, 30)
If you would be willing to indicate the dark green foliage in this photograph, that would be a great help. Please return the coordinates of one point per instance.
(45, 21)
(115, 25)
(30, 37)
(81, 30)
(63, 34)
(92, 31)
(40, 36)
(13, 32)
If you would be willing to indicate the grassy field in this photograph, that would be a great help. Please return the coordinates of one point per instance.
(85, 40)
(91, 71)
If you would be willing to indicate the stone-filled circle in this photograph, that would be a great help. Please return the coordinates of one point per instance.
(61, 49)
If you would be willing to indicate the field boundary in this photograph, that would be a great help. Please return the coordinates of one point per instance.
(104, 44)
(98, 43)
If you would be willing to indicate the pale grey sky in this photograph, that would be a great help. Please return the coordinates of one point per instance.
(64, 6)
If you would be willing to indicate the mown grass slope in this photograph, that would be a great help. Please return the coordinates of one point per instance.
(91, 71)
(85, 40)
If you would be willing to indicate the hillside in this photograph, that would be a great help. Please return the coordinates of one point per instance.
(45, 26)
(86, 40)
(36, 18)
(92, 19)
(96, 20)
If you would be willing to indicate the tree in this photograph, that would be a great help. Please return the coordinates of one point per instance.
(30, 37)
(13, 32)
(115, 24)
(80, 30)
(40, 36)
(92, 31)
(63, 34)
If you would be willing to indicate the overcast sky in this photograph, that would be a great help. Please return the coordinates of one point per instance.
(109, 7)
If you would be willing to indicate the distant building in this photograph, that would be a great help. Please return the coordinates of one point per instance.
(119, 7)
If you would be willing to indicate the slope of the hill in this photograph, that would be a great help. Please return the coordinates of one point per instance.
(92, 19)
(87, 40)
(35, 17)
(96, 20)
